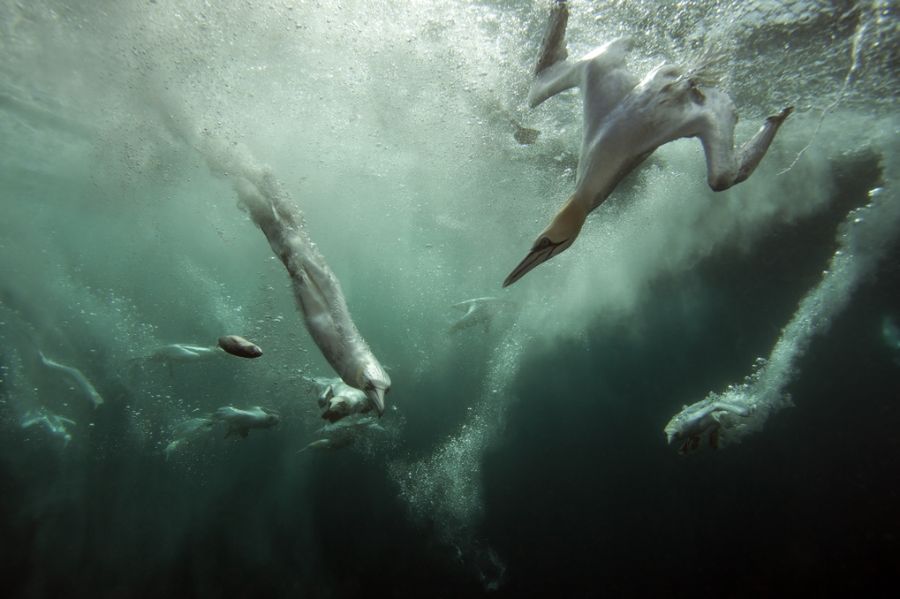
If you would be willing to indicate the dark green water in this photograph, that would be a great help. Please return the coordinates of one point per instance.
(523, 459)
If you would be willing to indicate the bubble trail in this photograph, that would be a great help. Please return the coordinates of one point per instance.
(863, 238)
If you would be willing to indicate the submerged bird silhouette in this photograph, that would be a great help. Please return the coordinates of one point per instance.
(479, 310)
(53, 423)
(625, 120)
(76, 376)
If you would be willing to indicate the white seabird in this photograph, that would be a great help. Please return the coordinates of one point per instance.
(625, 120)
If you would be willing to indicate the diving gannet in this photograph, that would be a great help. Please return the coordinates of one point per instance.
(75, 375)
(625, 120)
(54, 423)
(337, 399)
(316, 288)
(702, 417)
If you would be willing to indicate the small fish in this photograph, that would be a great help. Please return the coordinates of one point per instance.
(323, 444)
(345, 432)
(240, 347)
(479, 310)
(187, 431)
(241, 421)
(524, 135)
(183, 352)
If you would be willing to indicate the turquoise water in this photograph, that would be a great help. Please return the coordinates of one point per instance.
(522, 458)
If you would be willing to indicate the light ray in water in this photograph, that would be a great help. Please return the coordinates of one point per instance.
(445, 488)
(859, 37)
(390, 124)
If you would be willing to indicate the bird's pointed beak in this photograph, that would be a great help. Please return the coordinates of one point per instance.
(542, 251)
(376, 396)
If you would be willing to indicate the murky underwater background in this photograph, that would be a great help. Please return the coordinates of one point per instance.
(522, 459)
